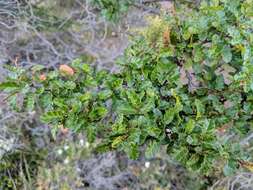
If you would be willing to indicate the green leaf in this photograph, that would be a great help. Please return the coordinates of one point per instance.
(61, 103)
(105, 94)
(219, 82)
(154, 131)
(91, 133)
(229, 169)
(214, 3)
(125, 108)
(98, 112)
(189, 126)
(51, 116)
(178, 106)
(86, 68)
(227, 54)
(103, 147)
(200, 108)
(13, 103)
(193, 161)
(134, 136)
(119, 127)
(30, 102)
(152, 148)
(133, 151)
(181, 154)
(8, 86)
(54, 130)
(169, 116)
(133, 97)
(76, 106)
(70, 85)
(86, 96)
(102, 111)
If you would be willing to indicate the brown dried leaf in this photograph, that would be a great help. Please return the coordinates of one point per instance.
(225, 71)
(187, 76)
(183, 78)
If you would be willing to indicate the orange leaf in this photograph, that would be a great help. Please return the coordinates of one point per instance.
(42, 77)
(166, 37)
(64, 130)
(65, 69)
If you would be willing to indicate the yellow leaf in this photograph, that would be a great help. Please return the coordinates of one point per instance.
(247, 165)
(118, 140)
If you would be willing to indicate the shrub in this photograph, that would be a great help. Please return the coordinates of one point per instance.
(185, 89)
(112, 9)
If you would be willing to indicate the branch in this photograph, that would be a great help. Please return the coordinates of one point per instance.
(145, 8)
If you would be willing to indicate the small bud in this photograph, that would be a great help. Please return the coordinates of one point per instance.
(60, 151)
(81, 142)
(66, 147)
(87, 145)
(65, 69)
(147, 164)
(66, 161)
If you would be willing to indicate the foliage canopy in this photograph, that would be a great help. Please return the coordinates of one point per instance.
(184, 89)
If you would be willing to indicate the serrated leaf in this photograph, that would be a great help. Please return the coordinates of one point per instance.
(152, 148)
(134, 136)
(147, 107)
(125, 108)
(91, 133)
(133, 97)
(169, 116)
(98, 112)
(154, 131)
(189, 126)
(70, 85)
(118, 140)
(30, 102)
(51, 116)
(76, 106)
(133, 151)
(13, 103)
(105, 94)
(119, 126)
